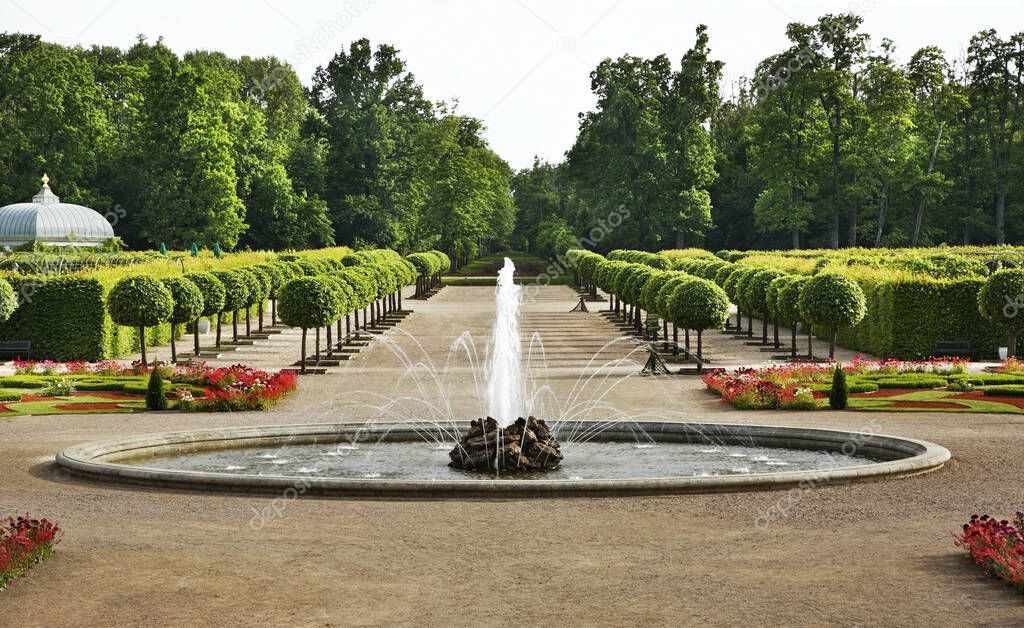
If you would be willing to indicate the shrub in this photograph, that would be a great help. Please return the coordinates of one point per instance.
(1005, 390)
(61, 387)
(1000, 301)
(838, 396)
(997, 546)
(910, 382)
(699, 304)
(188, 305)
(309, 302)
(832, 301)
(236, 297)
(156, 396)
(140, 301)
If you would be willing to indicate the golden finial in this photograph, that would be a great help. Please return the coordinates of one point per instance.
(46, 179)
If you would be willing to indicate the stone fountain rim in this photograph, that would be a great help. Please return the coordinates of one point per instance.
(99, 460)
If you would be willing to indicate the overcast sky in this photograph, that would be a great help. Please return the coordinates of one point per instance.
(520, 65)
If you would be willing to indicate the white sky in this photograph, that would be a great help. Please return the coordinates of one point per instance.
(521, 65)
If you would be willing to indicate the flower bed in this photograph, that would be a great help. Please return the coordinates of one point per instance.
(238, 387)
(194, 385)
(803, 385)
(997, 546)
(23, 543)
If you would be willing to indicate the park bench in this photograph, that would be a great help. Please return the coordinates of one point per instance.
(18, 349)
(951, 348)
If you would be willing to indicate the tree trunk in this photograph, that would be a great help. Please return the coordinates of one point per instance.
(218, 330)
(675, 339)
(775, 327)
(750, 325)
(796, 239)
(142, 344)
(302, 368)
(832, 344)
(793, 332)
(883, 204)
(174, 348)
(1011, 341)
(1001, 213)
(700, 349)
(195, 336)
(261, 316)
(234, 326)
(919, 215)
(273, 312)
(248, 329)
(318, 346)
(764, 329)
(357, 318)
(810, 342)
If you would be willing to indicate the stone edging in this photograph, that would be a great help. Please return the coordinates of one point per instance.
(104, 461)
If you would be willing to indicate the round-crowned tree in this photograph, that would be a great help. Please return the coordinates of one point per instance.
(832, 301)
(757, 298)
(8, 300)
(786, 303)
(699, 304)
(1001, 300)
(213, 299)
(236, 297)
(308, 303)
(188, 305)
(140, 301)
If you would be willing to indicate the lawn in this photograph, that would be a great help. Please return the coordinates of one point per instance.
(935, 401)
(78, 403)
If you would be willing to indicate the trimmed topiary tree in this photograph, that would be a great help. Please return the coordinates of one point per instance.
(832, 301)
(140, 301)
(156, 395)
(838, 397)
(188, 305)
(236, 297)
(699, 304)
(213, 299)
(308, 303)
(1001, 300)
(787, 303)
(757, 297)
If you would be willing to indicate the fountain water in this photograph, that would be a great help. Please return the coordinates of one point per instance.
(505, 385)
(506, 440)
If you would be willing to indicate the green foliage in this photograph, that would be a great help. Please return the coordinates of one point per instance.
(211, 290)
(8, 300)
(838, 395)
(1001, 299)
(757, 289)
(236, 289)
(787, 301)
(699, 304)
(832, 301)
(1009, 390)
(156, 397)
(309, 302)
(139, 301)
(187, 297)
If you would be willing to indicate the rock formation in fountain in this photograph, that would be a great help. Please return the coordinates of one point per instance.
(526, 445)
(504, 443)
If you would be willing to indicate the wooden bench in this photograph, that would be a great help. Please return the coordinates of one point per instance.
(951, 348)
(17, 349)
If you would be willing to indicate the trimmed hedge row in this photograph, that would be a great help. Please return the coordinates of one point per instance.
(66, 316)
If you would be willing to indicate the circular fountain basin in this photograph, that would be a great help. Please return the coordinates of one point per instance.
(410, 460)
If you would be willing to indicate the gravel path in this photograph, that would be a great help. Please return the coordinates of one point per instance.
(874, 554)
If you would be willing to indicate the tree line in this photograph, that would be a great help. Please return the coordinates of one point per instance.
(833, 142)
(211, 149)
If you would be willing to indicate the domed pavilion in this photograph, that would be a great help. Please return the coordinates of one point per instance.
(48, 221)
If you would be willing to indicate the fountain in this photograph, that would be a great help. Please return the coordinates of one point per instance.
(401, 448)
(505, 441)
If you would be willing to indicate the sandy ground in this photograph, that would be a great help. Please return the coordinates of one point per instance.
(871, 554)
